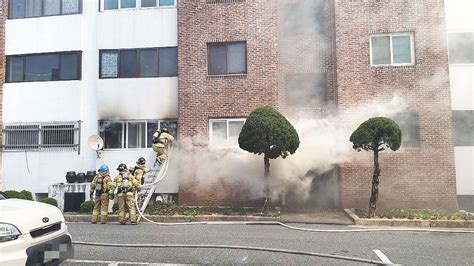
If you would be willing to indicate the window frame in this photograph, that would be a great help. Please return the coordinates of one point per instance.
(79, 66)
(138, 50)
(42, 10)
(125, 125)
(209, 44)
(391, 35)
(227, 120)
(138, 6)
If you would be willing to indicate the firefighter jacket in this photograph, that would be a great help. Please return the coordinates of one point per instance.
(126, 183)
(164, 139)
(102, 184)
(140, 171)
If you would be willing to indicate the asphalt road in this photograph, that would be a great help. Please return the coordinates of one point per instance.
(410, 248)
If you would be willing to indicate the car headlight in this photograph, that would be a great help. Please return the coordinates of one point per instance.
(8, 232)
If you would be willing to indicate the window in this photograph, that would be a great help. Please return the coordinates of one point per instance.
(409, 124)
(392, 49)
(127, 4)
(303, 17)
(461, 48)
(132, 134)
(42, 136)
(41, 8)
(463, 124)
(225, 132)
(227, 58)
(306, 90)
(135, 63)
(44, 67)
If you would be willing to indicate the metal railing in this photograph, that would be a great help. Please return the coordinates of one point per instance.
(45, 136)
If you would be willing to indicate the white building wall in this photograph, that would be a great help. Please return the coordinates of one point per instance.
(90, 98)
(459, 19)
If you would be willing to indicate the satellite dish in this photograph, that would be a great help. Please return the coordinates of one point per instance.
(95, 142)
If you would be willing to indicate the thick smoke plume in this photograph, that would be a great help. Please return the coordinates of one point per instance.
(324, 142)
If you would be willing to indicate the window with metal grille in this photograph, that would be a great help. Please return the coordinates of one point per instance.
(42, 136)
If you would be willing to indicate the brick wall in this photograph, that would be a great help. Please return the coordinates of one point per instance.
(202, 97)
(411, 177)
(3, 16)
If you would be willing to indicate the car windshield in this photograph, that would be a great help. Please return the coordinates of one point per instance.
(2, 196)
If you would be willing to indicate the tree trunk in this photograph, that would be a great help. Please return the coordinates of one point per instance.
(375, 184)
(266, 205)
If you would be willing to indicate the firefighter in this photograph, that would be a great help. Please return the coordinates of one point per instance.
(140, 170)
(103, 187)
(160, 141)
(127, 185)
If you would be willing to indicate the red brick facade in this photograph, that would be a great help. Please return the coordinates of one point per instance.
(203, 97)
(411, 177)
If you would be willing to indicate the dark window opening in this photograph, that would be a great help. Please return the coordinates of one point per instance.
(463, 125)
(134, 63)
(461, 48)
(304, 17)
(227, 58)
(306, 90)
(41, 8)
(44, 67)
(409, 124)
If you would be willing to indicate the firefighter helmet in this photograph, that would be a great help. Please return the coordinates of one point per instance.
(104, 169)
(164, 129)
(141, 161)
(122, 167)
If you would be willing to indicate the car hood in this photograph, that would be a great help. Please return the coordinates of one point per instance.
(27, 215)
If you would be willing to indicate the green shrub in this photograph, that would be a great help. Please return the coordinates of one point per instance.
(86, 207)
(50, 201)
(13, 194)
(27, 194)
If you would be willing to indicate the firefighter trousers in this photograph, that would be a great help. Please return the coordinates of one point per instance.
(127, 199)
(162, 154)
(101, 207)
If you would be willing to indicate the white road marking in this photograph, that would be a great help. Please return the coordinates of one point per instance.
(382, 256)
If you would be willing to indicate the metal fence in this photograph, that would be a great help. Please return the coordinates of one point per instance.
(47, 136)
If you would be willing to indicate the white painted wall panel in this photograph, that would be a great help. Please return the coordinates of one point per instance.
(464, 170)
(462, 86)
(41, 101)
(138, 28)
(43, 34)
(459, 14)
(141, 98)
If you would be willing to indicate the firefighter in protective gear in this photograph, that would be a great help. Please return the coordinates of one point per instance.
(160, 141)
(126, 185)
(102, 187)
(140, 170)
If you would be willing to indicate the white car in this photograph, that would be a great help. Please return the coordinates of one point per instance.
(32, 233)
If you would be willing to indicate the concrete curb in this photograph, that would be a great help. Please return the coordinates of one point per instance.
(408, 222)
(70, 218)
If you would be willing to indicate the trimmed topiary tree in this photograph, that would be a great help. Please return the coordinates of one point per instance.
(376, 134)
(269, 132)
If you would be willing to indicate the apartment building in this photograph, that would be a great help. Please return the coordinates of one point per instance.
(80, 68)
(341, 54)
(460, 32)
(111, 68)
